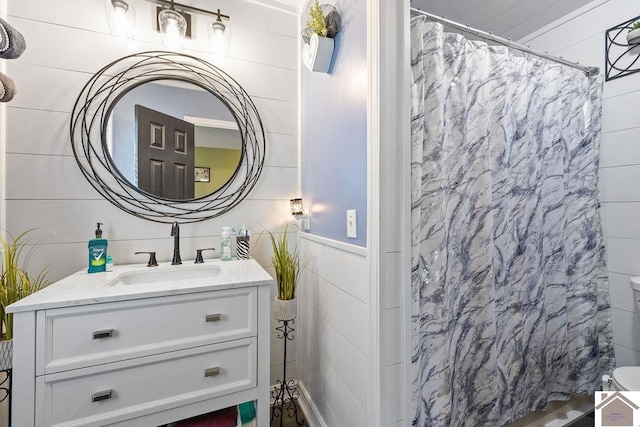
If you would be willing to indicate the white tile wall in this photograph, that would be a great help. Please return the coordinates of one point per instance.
(67, 41)
(620, 148)
(621, 220)
(580, 37)
(626, 356)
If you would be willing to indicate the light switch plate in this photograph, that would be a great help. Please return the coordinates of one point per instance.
(352, 226)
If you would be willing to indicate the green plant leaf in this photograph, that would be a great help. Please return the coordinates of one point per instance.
(315, 20)
(15, 281)
(288, 265)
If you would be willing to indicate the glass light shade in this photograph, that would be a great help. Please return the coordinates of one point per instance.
(219, 38)
(296, 207)
(173, 27)
(121, 17)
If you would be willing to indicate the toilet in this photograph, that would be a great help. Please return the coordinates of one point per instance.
(627, 378)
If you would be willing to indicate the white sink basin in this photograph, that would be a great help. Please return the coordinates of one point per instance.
(176, 275)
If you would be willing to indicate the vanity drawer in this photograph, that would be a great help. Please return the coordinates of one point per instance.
(77, 337)
(125, 390)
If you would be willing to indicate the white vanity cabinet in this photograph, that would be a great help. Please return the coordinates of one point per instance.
(91, 351)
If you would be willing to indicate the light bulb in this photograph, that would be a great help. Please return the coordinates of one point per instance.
(173, 27)
(219, 38)
(120, 7)
(120, 17)
(218, 28)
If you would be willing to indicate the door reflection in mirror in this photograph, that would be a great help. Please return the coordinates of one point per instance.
(217, 140)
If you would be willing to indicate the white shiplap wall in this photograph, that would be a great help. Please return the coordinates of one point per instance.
(333, 337)
(580, 37)
(68, 40)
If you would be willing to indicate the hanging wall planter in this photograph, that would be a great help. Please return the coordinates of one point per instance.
(622, 49)
(633, 36)
(317, 54)
(323, 24)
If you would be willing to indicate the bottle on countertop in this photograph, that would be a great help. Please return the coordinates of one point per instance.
(98, 252)
(225, 244)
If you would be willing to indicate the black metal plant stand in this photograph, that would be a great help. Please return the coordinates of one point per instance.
(5, 389)
(285, 393)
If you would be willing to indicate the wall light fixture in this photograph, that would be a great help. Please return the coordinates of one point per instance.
(173, 27)
(173, 22)
(121, 17)
(176, 20)
(297, 210)
(219, 36)
(296, 207)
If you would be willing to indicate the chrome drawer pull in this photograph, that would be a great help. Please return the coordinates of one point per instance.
(105, 333)
(101, 395)
(212, 372)
(213, 317)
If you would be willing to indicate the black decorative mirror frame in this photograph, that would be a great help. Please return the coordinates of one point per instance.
(91, 113)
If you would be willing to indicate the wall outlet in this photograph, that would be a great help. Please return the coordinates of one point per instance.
(352, 226)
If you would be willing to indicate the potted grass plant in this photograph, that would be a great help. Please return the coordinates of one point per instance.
(16, 283)
(288, 265)
(633, 36)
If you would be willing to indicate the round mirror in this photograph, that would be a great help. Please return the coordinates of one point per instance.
(162, 129)
(167, 137)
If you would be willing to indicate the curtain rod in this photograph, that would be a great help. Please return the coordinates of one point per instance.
(589, 71)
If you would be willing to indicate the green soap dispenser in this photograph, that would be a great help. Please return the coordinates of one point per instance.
(98, 252)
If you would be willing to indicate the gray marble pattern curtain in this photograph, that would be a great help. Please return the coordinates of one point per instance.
(510, 299)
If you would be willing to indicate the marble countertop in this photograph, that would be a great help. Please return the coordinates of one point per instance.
(136, 281)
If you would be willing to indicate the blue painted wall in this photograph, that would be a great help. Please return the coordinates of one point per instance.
(334, 131)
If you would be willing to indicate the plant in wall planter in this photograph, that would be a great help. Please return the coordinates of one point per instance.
(288, 266)
(16, 283)
(323, 24)
(633, 36)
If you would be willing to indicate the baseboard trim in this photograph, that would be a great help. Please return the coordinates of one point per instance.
(311, 413)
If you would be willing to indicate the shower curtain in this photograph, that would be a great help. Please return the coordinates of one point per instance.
(510, 305)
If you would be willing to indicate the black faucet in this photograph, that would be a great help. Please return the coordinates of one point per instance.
(152, 258)
(175, 232)
(199, 259)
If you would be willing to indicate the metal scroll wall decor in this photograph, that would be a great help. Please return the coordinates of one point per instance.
(622, 56)
(89, 125)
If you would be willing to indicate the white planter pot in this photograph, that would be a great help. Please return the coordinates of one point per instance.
(633, 36)
(6, 355)
(285, 309)
(316, 55)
